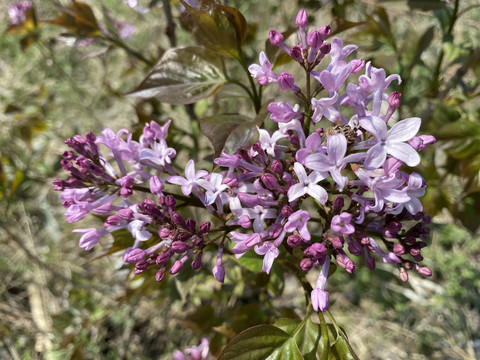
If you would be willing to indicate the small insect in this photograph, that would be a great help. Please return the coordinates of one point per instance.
(349, 132)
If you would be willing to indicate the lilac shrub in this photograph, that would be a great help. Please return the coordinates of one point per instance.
(331, 183)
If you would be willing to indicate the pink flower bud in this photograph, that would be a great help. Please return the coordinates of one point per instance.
(179, 247)
(160, 275)
(277, 167)
(176, 267)
(399, 250)
(135, 256)
(395, 99)
(275, 37)
(286, 81)
(357, 65)
(338, 203)
(302, 18)
(244, 221)
(156, 185)
(163, 258)
(306, 264)
(314, 39)
(205, 227)
(403, 275)
(197, 262)
(325, 31)
(294, 241)
(296, 53)
(423, 270)
(177, 219)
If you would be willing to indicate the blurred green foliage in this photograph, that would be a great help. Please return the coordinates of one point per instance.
(58, 302)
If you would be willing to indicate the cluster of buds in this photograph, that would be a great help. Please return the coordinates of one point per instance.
(330, 184)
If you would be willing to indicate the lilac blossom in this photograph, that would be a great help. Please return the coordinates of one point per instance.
(320, 297)
(263, 72)
(270, 252)
(17, 11)
(283, 112)
(341, 224)
(389, 142)
(326, 107)
(298, 221)
(269, 142)
(190, 180)
(307, 185)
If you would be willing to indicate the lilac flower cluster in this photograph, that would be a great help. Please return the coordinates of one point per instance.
(199, 352)
(329, 184)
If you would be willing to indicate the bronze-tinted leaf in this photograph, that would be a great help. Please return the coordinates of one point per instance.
(218, 27)
(79, 19)
(183, 76)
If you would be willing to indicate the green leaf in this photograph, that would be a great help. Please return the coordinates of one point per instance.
(339, 25)
(218, 27)
(122, 239)
(231, 131)
(422, 45)
(183, 76)
(251, 261)
(261, 342)
(426, 4)
(458, 130)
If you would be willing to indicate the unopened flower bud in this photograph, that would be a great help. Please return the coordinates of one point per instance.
(177, 219)
(275, 37)
(127, 181)
(315, 251)
(176, 267)
(336, 241)
(325, 31)
(197, 262)
(190, 224)
(357, 65)
(135, 256)
(160, 275)
(302, 18)
(205, 227)
(296, 53)
(287, 211)
(395, 99)
(179, 247)
(156, 185)
(399, 250)
(403, 275)
(141, 265)
(294, 241)
(270, 182)
(423, 270)
(164, 233)
(170, 201)
(275, 230)
(286, 81)
(183, 237)
(306, 264)
(126, 192)
(230, 181)
(277, 167)
(338, 203)
(126, 214)
(244, 221)
(325, 48)
(314, 39)
(163, 258)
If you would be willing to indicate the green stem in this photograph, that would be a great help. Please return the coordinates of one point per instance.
(326, 340)
(257, 98)
(128, 50)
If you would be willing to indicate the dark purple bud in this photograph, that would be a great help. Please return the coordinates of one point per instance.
(160, 275)
(197, 262)
(190, 224)
(369, 261)
(338, 204)
(294, 241)
(306, 264)
(163, 258)
(357, 65)
(302, 18)
(314, 39)
(395, 99)
(184, 237)
(205, 227)
(287, 211)
(325, 31)
(275, 37)
(270, 182)
(141, 265)
(294, 140)
(414, 251)
(179, 247)
(418, 258)
(296, 53)
(277, 167)
(325, 48)
(177, 219)
(68, 155)
(410, 240)
(362, 238)
(161, 199)
(176, 267)
(199, 242)
(79, 140)
(90, 137)
(135, 256)
(286, 81)
(315, 251)
(58, 184)
(275, 230)
(170, 201)
(355, 248)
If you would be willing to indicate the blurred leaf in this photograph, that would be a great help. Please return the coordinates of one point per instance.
(422, 44)
(261, 342)
(218, 27)
(183, 76)
(201, 320)
(122, 239)
(458, 130)
(243, 133)
(246, 316)
(251, 261)
(277, 280)
(339, 24)
(25, 27)
(426, 4)
(79, 19)
(467, 211)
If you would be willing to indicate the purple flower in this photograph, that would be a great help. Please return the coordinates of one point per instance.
(214, 187)
(388, 258)
(17, 11)
(326, 107)
(339, 52)
(191, 178)
(341, 224)
(218, 270)
(199, 352)
(298, 221)
(313, 144)
(134, 5)
(267, 142)
(389, 142)
(283, 112)
(270, 252)
(319, 296)
(90, 237)
(335, 159)
(334, 78)
(263, 72)
(307, 185)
